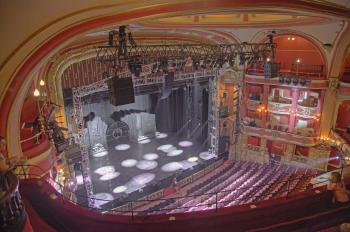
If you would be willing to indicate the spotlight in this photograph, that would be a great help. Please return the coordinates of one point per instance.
(293, 38)
(288, 80)
(36, 93)
(42, 83)
(295, 81)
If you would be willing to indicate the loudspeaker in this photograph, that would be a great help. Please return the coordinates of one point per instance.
(167, 85)
(270, 70)
(121, 91)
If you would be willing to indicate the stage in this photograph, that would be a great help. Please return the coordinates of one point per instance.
(127, 166)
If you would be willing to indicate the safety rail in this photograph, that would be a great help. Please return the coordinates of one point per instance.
(305, 71)
(131, 207)
(33, 137)
(12, 212)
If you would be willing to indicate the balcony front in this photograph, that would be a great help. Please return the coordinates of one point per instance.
(280, 135)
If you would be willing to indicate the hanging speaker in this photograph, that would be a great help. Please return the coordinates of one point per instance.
(270, 70)
(121, 91)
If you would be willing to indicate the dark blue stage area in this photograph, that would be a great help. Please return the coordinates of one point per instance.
(128, 166)
(141, 147)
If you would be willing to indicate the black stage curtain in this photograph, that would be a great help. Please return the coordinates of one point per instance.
(170, 111)
(204, 118)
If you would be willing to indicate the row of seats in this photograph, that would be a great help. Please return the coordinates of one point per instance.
(239, 183)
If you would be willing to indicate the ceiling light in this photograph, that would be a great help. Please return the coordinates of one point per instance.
(36, 93)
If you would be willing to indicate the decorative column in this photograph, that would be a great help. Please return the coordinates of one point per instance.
(319, 111)
(329, 108)
(263, 150)
(289, 152)
(292, 117)
(243, 138)
(265, 102)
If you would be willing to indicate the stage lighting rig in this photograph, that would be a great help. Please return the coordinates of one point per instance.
(121, 48)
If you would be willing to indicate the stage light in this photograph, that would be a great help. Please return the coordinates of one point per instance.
(144, 141)
(104, 170)
(288, 38)
(122, 147)
(146, 164)
(192, 159)
(175, 153)
(293, 38)
(109, 176)
(165, 147)
(161, 135)
(268, 60)
(100, 154)
(151, 156)
(298, 60)
(120, 189)
(143, 178)
(206, 155)
(36, 93)
(185, 143)
(129, 163)
(102, 198)
(171, 167)
(79, 179)
(42, 83)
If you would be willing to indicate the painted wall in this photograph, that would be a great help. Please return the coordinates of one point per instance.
(288, 51)
(343, 119)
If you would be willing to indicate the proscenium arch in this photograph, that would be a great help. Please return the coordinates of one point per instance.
(38, 46)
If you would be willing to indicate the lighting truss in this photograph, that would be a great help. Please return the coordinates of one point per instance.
(123, 50)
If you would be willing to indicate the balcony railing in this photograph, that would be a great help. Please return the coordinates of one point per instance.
(12, 213)
(309, 71)
(280, 134)
(304, 71)
(279, 108)
(253, 104)
(253, 147)
(307, 112)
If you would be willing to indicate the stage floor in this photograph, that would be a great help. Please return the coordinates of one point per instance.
(128, 166)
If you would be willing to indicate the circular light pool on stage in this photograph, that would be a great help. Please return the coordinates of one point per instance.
(206, 155)
(192, 159)
(175, 153)
(185, 143)
(100, 154)
(161, 135)
(151, 156)
(171, 167)
(120, 189)
(129, 163)
(144, 141)
(146, 164)
(165, 147)
(143, 178)
(102, 198)
(79, 179)
(109, 176)
(104, 170)
(122, 147)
